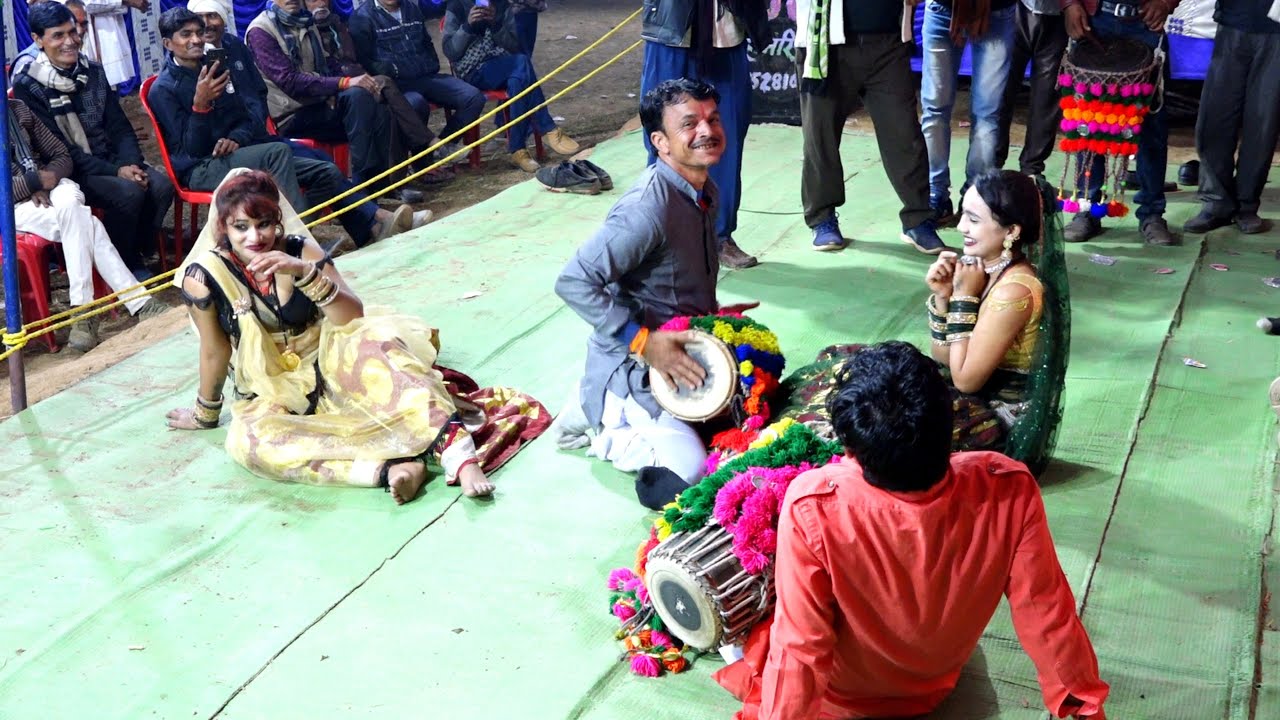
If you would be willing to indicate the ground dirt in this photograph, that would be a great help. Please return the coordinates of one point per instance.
(591, 113)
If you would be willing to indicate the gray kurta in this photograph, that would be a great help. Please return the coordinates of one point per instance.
(654, 258)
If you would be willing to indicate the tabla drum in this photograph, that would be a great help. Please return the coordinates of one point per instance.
(701, 591)
(718, 391)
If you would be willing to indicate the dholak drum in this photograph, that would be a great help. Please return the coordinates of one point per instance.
(1108, 87)
(717, 392)
(701, 591)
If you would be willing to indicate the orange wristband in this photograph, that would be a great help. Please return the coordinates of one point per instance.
(638, 342)
(344, 83)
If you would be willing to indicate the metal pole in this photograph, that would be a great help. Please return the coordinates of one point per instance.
(8, 231)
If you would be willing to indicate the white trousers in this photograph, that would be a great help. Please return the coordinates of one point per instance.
(85, 243)
(631, 439)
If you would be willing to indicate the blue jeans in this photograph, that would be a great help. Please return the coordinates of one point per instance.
(514, 73)
(726, 70)
(462, 102)
(941, 67)
(1153, 142)
(527, 31)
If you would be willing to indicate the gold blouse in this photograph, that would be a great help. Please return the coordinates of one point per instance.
(1018, 356)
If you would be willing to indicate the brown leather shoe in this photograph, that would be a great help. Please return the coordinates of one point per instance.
(524, 161)
(733, 256)
(560, 143)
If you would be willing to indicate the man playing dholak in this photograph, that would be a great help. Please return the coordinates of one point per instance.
(892, 560)
(653, 259)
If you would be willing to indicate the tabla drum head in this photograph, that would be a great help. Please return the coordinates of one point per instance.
(717, 389)
(683, 604)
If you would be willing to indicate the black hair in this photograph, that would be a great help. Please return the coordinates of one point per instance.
(174, 19)
(46, 16)
(892, 411)
(1014, 199)
(668, 93)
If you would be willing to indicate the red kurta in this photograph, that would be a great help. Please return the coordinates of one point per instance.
(882, 596)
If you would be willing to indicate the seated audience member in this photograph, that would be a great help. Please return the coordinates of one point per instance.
(71, 95)
(309, 96)
(901, 517)
(49, 204)
(653, 259)
(392, 40)
(27, 54)
(209, 131)
(410, 111)
(484, 46)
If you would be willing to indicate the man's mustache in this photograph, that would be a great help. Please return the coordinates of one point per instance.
(707, 142)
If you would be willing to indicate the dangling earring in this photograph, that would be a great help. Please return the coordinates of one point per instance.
(1007, 254)
(280, 231)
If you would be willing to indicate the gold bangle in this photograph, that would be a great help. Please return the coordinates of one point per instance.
(331, 297)
(966, 298)
(305, 280)
(956, 318)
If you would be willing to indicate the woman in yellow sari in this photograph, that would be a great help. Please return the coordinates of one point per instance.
(331, 395)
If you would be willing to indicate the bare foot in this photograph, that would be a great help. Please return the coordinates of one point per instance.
(474, 482)
(405, 480)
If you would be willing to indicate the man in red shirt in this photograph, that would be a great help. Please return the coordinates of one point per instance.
(892, 561)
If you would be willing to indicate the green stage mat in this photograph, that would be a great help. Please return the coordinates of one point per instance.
(148, 576)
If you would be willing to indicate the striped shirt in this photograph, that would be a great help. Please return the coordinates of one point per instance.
(47, 150)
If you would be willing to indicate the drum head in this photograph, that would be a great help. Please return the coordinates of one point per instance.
(717, 389)
(1111, 55)
(683, 604)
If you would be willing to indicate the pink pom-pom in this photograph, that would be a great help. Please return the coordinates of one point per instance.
(1093, 128)
(1096, 89)
(1067, 126)
(1112, 89)
(642, 594)
(632, 585)
(1071, 206)
(660, 639)
(679, 323)
(623, 611)
(1126, 91)
(1148, 89)
(619, 577)
(1064, 80)
(713, 462)
(755, 422)
(646, 666)
(1137, 129)
(1081, 88)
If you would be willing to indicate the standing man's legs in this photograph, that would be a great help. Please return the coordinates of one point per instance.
(728, 73)
(822, 118)
(1222, 105)
(991, 56)
(1019, 55)
(940, 66)
(891, 101)
(1261, 127)
(1048, 36)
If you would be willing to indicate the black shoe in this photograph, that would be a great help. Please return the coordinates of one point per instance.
(925, 238)
(1082, 227)
(567, 178)
(1249, 223)
(1155, 231)
(409, 196)
(1189, 173)
(1269, 325)
(1205, 221)
(943, 210)
(590, 169)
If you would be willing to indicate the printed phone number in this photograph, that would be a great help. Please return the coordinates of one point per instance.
(769, 82)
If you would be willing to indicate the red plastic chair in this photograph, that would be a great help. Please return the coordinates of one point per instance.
(34, 255)
(341, 152)
(182, 196)
(499, 97)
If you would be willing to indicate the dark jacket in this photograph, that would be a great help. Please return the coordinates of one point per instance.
(1246, 16)
(189, 135)
(395, 48)
(458, 33)
(667, 22)
(113, 140)
(248, 82)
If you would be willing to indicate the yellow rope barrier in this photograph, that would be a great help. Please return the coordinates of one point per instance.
(441, 142)
(16, 341)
